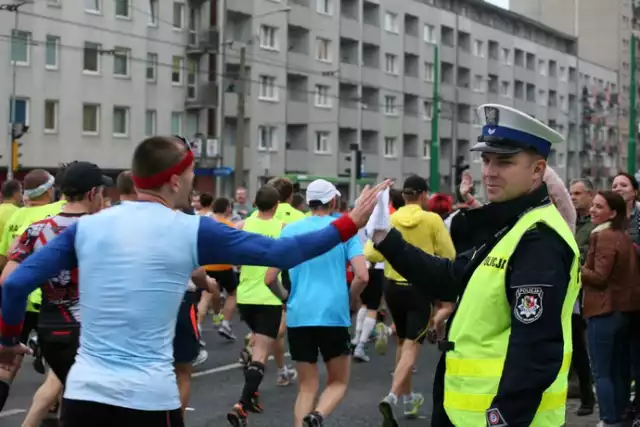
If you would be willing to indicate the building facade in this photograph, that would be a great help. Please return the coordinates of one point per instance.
(603, 31)
(93, 81)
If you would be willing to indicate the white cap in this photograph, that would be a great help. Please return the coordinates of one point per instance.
(321, 190)
(508, 131)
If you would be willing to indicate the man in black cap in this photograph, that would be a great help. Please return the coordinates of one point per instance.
(410, 307)
(507, 348)
(58, 326)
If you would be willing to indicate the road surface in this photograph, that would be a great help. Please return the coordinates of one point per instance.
(218, 382)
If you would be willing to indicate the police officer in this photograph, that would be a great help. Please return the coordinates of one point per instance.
(507, 349)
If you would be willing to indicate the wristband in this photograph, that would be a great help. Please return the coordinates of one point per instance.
(9, 332)
(346, 227)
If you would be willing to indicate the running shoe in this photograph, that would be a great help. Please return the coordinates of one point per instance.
(217, 319)
(255, 405)
(203, 355)
(382, 340)
(412, 407)
(314, 419)
(359, 355)
(286, 376)
(237, 417)
(38, 361)
(225, 331)
(386, 409)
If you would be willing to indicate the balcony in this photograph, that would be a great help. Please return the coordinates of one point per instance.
(203, 41)
(206, 96)
(244, 7)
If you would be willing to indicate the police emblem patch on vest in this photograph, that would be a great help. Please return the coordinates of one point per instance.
(494, 418)
(528, 307)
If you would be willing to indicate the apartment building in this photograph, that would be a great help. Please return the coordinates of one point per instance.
(603, 30)
(93, 80)
(95, 77)
(303, 109)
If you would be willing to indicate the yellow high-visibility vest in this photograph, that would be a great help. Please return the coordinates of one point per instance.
(481, 328)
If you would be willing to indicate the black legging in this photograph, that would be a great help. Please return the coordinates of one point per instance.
(580, 360)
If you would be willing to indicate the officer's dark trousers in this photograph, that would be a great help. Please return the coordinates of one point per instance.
(580, 360)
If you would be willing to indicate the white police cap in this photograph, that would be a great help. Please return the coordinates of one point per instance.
(509, 131)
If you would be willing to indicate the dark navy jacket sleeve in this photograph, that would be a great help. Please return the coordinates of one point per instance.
(439, 277)
(59, 254)
(221, 244)
(537, 281)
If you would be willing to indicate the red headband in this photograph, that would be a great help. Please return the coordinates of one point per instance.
(161, 178)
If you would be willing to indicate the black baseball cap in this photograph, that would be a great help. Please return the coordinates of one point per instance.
(81, 177)
(415, 185)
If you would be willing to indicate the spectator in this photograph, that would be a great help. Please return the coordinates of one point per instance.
(241, 207)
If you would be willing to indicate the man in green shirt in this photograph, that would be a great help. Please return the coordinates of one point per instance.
(11, 200)
(285, 212)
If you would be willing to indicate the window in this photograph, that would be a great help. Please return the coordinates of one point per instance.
(478, 48)
(324, 50)
(120, 121)
(505, 56)
(20, 47)
(266, 137)
(322, 142)
(390, 147)
(390, 105)
(563, 74)
(268, 37)
(50, 116)
(51, 54)
(22, 111)
(391, 22)
(90, 119)
(325, 6)
(428, 72)
(92, 6)
(478, 83)
(150, 123)
(428, 110)
(177, 64)
(426, 149)
(122, 8)
(91, 57)
(505, 89)
(542, 67)
(542, 97)
(121, 62)
(268, 88)
(153, 13)
(176, 123)
(192, 78)
(322, 96)
(152, 67)
(192, 123)
(428, 33)
(178, 15)
(390, 63)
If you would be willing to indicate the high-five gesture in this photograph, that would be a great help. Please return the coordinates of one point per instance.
(367, 202)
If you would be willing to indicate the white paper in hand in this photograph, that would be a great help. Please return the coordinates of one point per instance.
(379, 219)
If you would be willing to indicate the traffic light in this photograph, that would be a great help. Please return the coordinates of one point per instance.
(17, 131)
(460, 167)
(359, 161)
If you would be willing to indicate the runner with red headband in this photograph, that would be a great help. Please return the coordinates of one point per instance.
(134, 261)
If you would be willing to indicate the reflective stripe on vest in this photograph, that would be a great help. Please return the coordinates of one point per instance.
(482, 326)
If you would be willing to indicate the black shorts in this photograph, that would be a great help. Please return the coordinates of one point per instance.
(186, 343)
(30, 324)
(59, 348)
(262, 319)
(227, 279)
(306, 341)
(372, 293)
(410, 310)
(81, 413)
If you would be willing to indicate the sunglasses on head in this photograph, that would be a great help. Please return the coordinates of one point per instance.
(189, 144)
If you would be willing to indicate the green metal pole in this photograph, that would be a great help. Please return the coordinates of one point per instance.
(633, 129)
(434, 152)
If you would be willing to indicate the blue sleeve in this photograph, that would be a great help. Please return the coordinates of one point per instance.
(354, 248)
(220, 244)
(58, 254)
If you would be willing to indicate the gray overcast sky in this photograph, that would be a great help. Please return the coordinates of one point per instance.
(501, 3)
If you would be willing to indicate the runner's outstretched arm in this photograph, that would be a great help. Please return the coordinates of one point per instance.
(220, 244)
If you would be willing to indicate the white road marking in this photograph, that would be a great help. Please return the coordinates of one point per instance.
(11, 412)
(224, 368)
